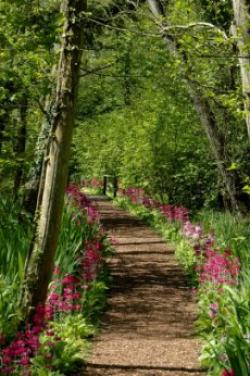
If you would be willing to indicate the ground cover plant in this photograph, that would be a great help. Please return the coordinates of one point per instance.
(213, 254)
(55, 341)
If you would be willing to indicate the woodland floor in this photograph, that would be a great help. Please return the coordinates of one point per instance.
(148, 328)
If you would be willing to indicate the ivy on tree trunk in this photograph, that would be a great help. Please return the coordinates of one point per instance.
(41, 262)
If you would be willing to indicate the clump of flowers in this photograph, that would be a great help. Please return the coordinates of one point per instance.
(17, 355)
(192, 231)
(65, 293)
(170, 212)
(174, 213)
(219, 268)
(91, 260)
(65, 296)
(83, 203)
(213, 266)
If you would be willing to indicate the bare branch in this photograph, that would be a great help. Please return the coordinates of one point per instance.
(165, 29)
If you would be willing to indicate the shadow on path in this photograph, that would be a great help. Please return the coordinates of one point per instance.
(148, 328)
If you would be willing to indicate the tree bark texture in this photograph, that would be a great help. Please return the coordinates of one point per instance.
(41, 150)
(241, 30)
(203, 109)
(41, 261)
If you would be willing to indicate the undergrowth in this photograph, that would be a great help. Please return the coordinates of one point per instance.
(57, 340)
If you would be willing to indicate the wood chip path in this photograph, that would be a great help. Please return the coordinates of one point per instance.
(148, 329)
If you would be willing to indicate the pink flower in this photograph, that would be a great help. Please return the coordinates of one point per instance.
(192, 231)
(69, 279)
(7, 359)
(213, 310)
(219, 268)
(230, 372)
(25, 360)
(93, 215)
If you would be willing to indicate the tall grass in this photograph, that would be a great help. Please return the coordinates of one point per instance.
(230, 232)
(15, 234)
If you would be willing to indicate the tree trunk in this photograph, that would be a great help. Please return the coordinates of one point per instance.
(20, 145)
(41, 150)
(209, 123)
(203, 109)
(41, 262)
(241, 29)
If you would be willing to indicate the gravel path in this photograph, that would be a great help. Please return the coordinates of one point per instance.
(148, 329)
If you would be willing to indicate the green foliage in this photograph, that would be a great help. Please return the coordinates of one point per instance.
(95, 301)
(135, 120)
(15, 235)
(74, 231)
(67, 348)
(9, 313)
(226, 333)
(186, 256)
(231, 232)
(144, 127)
(28, 31)
(219, 12)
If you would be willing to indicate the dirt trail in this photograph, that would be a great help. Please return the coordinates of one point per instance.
(148, 329)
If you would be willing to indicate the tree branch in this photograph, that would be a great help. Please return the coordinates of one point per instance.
(165, 29)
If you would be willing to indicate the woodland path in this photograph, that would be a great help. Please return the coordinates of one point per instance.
(148, 329)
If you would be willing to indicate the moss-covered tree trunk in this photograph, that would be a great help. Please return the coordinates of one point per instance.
(41, 262)
(42, 144)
